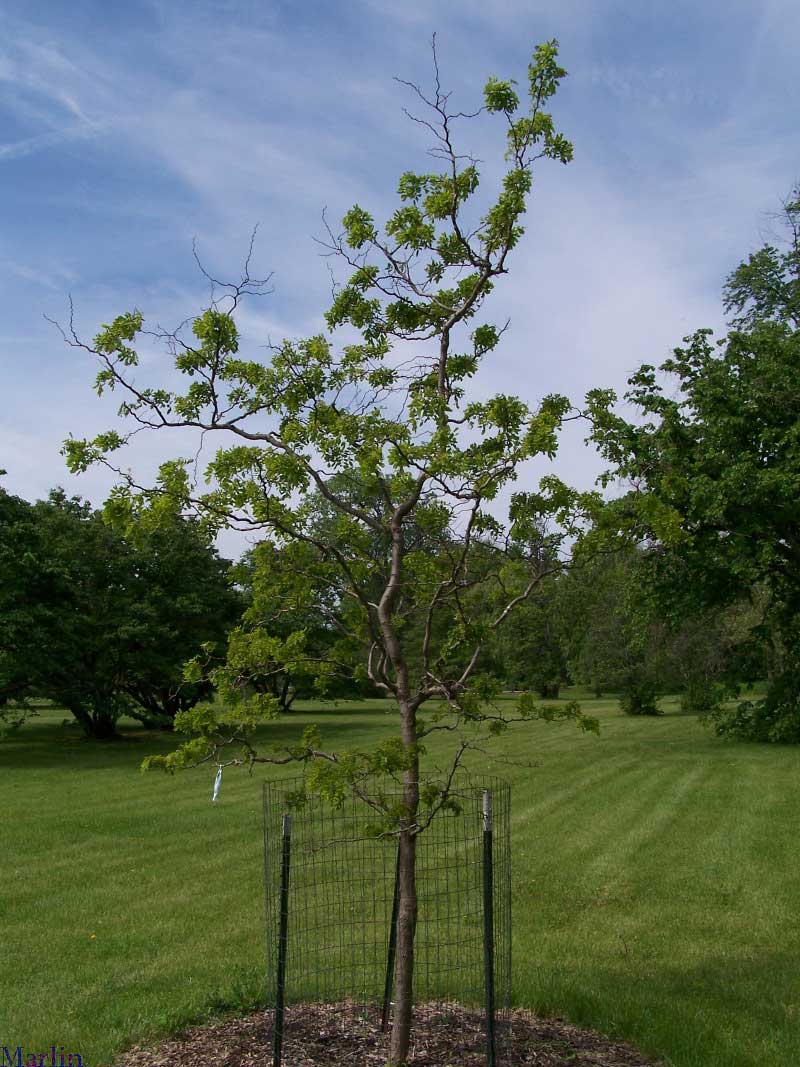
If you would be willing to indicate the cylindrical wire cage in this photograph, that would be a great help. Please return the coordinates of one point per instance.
(330, 890)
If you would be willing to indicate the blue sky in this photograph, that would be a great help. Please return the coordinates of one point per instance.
(127, 130)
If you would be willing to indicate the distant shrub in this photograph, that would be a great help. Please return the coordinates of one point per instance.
(701, 695)
(639, 696)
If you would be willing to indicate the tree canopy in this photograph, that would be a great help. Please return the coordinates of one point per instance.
(715, 464)
(101, 620)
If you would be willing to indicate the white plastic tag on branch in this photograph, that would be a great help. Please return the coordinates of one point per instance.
(217, 784)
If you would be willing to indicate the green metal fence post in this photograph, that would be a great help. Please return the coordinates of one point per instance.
(488, 925)
(283, 939)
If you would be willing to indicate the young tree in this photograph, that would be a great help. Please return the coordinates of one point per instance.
(392, 404)
(716, 466)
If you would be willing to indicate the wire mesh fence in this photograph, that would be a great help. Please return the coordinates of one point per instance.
(330, 886)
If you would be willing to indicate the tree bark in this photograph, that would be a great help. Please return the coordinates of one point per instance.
(404, 966)
(284, 700)
(97, 724)
(407, 879)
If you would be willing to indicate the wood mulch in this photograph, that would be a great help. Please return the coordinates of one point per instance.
(318, 1035)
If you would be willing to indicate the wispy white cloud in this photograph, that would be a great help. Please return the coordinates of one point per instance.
(656, 87)
(55, 279)
(225, 114)
(31, 145)
(44, 89)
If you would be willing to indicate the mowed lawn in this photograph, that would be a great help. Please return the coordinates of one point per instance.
(656, 885)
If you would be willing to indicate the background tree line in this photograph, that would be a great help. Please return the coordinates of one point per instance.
(142, 617)
(695, 588)
(109, 613)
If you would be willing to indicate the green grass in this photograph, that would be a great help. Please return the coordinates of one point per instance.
(656, 885)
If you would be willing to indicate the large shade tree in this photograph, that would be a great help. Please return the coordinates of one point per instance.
(101, 619)
(181, 598)
(327, 667)
(67, 577)
(390, 400)
(714, 465)
(606, 631)
(27, 604)
(527, 651)
(618, 637)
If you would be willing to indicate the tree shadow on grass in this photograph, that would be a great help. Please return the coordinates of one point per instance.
(47, 742)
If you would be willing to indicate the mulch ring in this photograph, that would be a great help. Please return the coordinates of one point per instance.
(324, 1035)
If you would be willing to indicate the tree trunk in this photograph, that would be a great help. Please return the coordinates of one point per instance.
(407, 845)
(284, 701)
(99, 725)
(407, 901)
(103, 728)
(404, 967)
